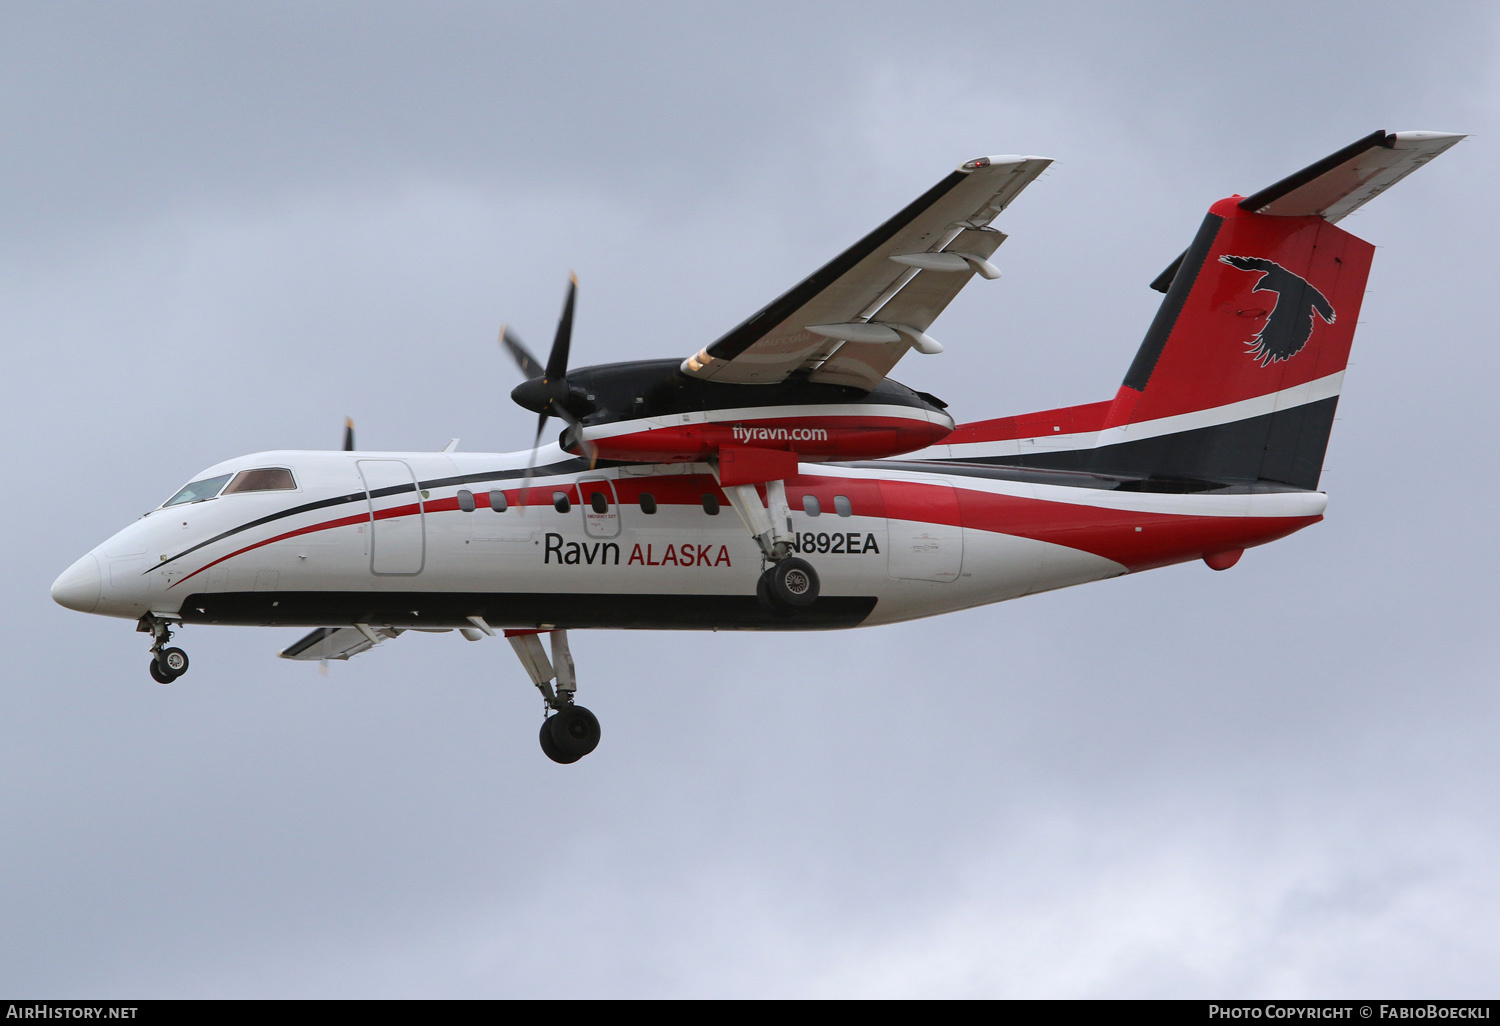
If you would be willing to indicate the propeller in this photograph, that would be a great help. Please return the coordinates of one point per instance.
(546, 391)
(348, 434)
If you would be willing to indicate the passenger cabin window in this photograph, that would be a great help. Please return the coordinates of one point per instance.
(266, 479)
(598, 503)
(199, 490)
(810, 506)
(497, 501)
(560, 502)
(841, 506)
(466, 500)
(648, 503)
(711, 505)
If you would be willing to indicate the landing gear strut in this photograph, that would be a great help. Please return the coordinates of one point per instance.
(571, 732)
(167, 664)
(789, 584)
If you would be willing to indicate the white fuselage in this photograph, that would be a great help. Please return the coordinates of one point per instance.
(386, 539)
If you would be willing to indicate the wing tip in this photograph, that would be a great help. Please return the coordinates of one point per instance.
(1426, 140)
(1003, 160)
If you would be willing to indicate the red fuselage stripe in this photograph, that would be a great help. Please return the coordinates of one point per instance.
(1138, 540)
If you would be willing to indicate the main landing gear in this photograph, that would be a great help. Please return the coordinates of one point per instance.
(571, 731)
(167, 664)
(789, 584)
(786, 587)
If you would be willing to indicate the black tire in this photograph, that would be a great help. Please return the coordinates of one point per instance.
(173, 661)
(575, 731)
(769, 604)
(157, 674)
(549, 747)
(793, 583)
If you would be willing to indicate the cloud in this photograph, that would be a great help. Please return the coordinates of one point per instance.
(229, 229)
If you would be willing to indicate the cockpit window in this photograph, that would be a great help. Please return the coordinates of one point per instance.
(266, 479)
(199, 490)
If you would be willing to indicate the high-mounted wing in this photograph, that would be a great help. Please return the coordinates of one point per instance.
(852, 319)
(336, 643)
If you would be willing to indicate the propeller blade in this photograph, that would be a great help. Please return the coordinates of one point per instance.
(530, 366)
(536, 444)
(545, 389)
(589, 448)
(557, 360)
(348, 434)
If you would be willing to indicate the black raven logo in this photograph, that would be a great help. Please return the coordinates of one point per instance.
(1290, 323)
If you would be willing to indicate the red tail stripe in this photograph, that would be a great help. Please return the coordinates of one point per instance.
(1067, 420)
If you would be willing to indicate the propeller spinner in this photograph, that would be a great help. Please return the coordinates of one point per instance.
(545, 391)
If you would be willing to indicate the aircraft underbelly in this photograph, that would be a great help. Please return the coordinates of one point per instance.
(996, 567)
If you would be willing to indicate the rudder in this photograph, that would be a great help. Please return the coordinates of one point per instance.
(1238, 376)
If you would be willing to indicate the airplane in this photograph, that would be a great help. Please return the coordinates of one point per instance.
(857, 501)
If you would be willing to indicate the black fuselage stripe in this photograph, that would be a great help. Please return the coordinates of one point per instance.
(339, 500)
(1284, 448)
(564, 610)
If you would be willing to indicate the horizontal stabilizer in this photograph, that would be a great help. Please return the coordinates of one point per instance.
(1342, 182)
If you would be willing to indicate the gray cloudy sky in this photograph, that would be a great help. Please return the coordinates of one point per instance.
(223, 228)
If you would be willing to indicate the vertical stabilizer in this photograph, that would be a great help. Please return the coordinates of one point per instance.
(1238, 377)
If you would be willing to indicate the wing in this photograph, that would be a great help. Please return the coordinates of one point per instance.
(336, 643)
(852, 319)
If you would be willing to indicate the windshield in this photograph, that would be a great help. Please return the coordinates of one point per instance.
(205, 489)
(267, 479)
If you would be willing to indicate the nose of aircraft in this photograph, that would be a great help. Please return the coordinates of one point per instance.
(79, 585)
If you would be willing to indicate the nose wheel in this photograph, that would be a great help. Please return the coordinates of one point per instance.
(167, 664)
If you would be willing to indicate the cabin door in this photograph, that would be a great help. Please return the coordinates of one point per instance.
(398, 534)
(926, 534)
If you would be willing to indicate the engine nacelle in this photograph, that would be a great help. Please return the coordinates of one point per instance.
(814, 437)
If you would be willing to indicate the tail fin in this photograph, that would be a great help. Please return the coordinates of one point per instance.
(1239, 374)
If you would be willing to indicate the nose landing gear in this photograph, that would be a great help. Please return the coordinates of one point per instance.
(167, 664)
